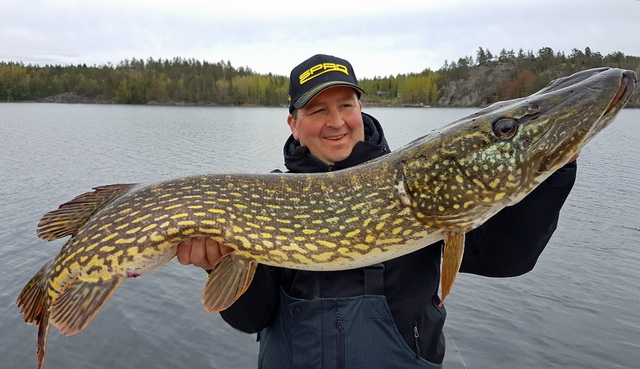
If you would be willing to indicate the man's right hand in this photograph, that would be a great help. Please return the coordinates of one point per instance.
(201, 252)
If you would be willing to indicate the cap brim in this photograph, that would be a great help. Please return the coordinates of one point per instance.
(309, 95)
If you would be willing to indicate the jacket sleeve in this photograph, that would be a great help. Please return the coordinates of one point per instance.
(510, 242)
(256, 308)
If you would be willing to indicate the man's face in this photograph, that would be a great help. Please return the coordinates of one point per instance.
(330, 125)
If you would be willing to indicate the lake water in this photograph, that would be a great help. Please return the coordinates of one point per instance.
(579, 308)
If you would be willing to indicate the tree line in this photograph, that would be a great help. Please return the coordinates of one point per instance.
(527, 72)
(190, 81)
(137, 81)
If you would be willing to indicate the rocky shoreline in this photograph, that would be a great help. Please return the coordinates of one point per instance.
(73, 98)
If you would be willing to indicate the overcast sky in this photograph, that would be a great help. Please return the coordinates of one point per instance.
(380, 38)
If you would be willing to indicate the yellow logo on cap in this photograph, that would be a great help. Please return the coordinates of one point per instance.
(320, 69)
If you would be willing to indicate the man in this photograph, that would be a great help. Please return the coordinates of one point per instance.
(386, 315)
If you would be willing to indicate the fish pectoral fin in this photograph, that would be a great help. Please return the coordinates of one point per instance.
(79, 303)
(229, 279)
(451, 261)
(71, 215)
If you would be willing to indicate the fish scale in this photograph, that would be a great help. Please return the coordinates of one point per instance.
(437, 187)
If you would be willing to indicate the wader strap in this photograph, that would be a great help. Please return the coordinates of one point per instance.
(374, 279)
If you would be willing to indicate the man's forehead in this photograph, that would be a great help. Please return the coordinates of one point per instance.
(342, 93)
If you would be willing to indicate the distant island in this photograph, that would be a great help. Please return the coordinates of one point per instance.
(469, 81)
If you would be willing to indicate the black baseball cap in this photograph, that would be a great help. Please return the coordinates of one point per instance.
(317, 74)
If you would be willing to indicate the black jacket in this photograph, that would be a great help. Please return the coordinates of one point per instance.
(506, 245)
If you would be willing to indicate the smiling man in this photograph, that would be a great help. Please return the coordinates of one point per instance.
(330, 125)
(382, 316)
(325, 108)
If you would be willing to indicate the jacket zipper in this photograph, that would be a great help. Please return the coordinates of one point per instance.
(416, 335)
(340, 349)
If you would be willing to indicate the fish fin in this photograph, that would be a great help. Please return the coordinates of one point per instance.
(34, 302)
(80, 302)
(451, 261)
(43, 334)
(229, 279)
(72, 214)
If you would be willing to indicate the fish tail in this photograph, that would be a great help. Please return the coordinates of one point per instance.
(34, 302)
(70, 311)
(43, 333)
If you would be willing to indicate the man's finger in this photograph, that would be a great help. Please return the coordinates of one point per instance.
(183, 253)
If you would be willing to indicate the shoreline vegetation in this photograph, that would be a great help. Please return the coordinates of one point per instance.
(467, 82)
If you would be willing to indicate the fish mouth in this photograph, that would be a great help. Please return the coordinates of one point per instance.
(627, 85)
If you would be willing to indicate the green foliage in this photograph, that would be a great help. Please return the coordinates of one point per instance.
(526, 73)
(135, 81)
(412, 89)
(190, 81)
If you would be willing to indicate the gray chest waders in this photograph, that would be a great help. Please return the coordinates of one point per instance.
(343, 333)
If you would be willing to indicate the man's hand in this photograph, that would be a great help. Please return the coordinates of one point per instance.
(201, 252)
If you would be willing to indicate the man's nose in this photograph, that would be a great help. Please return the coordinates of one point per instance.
(335, 119)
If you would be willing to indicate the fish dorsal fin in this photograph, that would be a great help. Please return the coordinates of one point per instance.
(79, 303)
(229, 279)
(66, 220)
(451, 261)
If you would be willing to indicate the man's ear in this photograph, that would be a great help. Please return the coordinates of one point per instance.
(293, 125)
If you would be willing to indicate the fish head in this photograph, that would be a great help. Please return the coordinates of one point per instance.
(578, 108)
(470, 169)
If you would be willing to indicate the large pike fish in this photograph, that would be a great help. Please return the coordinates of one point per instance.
(436, 187)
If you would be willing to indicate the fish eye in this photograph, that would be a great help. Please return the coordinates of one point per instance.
(505, 128)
